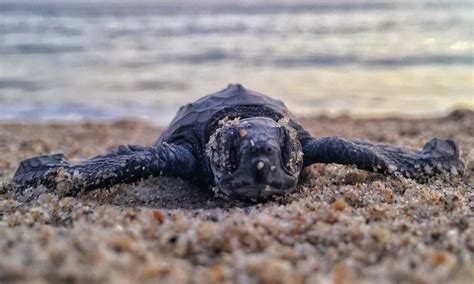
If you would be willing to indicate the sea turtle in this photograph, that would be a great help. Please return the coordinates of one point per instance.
(240, 143)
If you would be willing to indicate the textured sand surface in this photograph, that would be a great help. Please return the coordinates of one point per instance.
(342, 225)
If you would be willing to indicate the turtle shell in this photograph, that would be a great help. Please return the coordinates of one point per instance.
(234, 101)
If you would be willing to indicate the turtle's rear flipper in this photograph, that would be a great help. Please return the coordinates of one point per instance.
(39, 169)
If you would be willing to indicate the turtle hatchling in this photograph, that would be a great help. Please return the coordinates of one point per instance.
(240, 143)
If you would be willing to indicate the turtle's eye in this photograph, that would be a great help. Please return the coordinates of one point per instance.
(234, 152)
(291, 151)
(285, 141)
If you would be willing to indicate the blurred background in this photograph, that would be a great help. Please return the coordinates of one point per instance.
(67, 60)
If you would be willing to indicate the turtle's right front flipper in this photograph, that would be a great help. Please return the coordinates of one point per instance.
(127, 164)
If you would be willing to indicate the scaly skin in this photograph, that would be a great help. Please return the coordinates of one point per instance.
(437, 156)
(127, 164)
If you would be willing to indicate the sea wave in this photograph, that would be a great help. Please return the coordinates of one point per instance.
(65, 60)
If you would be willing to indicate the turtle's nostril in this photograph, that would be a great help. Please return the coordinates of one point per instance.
(268, 149)
(260, 174)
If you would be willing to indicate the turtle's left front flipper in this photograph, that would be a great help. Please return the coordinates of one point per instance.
(127, 164)
(436, 156)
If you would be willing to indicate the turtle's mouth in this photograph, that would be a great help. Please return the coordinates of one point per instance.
(253, 192)
(246, 183)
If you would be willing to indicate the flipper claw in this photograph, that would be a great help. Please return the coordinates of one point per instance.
(444, 155)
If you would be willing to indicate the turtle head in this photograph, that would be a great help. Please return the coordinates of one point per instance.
(254, 158)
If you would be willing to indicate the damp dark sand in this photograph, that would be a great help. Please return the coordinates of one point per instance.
(342, 225)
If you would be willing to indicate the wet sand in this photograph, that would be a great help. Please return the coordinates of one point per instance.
(342, 225)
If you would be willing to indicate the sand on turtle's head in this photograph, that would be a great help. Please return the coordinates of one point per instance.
(218, 156)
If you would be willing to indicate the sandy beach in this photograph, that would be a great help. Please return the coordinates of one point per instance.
(342, 225)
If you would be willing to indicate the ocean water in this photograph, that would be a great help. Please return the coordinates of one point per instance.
(84, 60)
